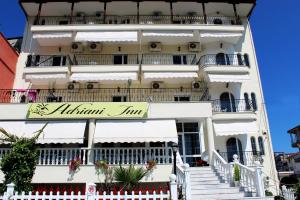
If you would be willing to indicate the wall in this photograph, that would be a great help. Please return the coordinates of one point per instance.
(8, 61)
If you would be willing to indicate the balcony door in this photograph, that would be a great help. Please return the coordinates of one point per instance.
(179, 60)
(234, 146)
(120, 59)
(189, 142)
(227, 102)
(222, 59)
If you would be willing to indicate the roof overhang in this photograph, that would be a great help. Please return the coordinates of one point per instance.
(247, 11)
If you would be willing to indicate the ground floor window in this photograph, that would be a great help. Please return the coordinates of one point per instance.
(234, 146)
(189, 142)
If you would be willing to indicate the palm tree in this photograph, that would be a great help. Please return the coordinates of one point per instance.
(129, 177)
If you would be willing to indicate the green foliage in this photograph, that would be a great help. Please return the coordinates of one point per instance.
(102, 167)
(129, 177)
(268, 193)
(297, 191)
(236, 173)
(19, 165)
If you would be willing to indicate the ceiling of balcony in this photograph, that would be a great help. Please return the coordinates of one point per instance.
(130, 8)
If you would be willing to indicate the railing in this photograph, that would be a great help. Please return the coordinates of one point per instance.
(105, 59)
(247, 158)
(169, 59)
(222, 59)
(141, 19)
(48, 60)
(237, 105)
(183, 177)
(250, 179)
(113, 156)
(102, 95)
(288, 193)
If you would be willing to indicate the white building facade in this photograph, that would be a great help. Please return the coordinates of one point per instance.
(186, 71)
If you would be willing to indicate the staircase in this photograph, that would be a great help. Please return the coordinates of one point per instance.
(205, 184)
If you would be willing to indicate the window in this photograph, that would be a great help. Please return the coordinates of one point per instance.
(247, 102)
(246, 59)
(182, 98)
(179, 60)
(261, 145)
(220, 59)
(227, 102)
(59, 61)
(120, 59)
(218, 21)
(253, 145)
(119, 98)
(253, 99)
(234, 146)
(240, 59)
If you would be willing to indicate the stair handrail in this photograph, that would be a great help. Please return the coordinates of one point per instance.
(221, 166)
(183, 177)
(250, 178)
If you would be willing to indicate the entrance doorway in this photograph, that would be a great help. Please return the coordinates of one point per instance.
(189, 142)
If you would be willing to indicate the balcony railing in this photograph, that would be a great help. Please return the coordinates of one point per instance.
(113, 156)
(104, 95)
(247, 158)
(222, 59)
(105, 59)
(238, 105)
(169, 59)
(141, 19)
(48, 60)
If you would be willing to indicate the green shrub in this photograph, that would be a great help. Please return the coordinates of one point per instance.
(236, 173)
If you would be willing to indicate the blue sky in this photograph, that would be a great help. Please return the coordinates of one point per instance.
(276, 32)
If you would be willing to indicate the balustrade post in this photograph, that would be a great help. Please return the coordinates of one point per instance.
(90, 191)
(173, 187)
(187, 181)
(260, 191)
(10, 189)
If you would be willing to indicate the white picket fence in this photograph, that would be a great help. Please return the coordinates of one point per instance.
(288, 194)
(79, 196)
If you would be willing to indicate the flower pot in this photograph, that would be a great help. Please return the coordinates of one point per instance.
(236, 183)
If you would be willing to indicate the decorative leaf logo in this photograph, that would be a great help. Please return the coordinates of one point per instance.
(40, 109)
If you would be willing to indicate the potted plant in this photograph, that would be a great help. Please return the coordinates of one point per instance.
(236, 175)
(74, 167)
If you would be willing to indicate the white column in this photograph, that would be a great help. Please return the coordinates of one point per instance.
(92, 127)
(173, 187)
(210, 137)
(260, 191)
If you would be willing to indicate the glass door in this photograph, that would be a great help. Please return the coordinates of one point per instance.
(189, 142)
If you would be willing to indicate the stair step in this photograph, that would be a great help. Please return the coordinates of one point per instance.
(200, 169)
(204, 175)
(218, 196)
(212, 186)
(200, 179)
(212, 182)
(216, 191)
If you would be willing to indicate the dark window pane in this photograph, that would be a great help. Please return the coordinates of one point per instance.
(182, 98)
(191, 127)
(177, 60)
(56, 61)
(180, 144)
(261, 145)
(192, 145)
(253, 145)
(179, 127)
(118, 59)
(253, 98)
(246, 59)
(184, 60)
(240, 60)
(119, 98)
(125, 57)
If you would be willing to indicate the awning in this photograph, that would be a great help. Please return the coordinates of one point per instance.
(162, 75)
(55, 132)
(120, 36)
(132, 131)
(219, 35)
(168, 34)
(46, 76)
(227, 128)
(228, 78)
(104, 76)
(52, 35)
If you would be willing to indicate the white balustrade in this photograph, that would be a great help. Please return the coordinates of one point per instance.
(113, 156)
(183, 177)
(288, 193)
(251, 179)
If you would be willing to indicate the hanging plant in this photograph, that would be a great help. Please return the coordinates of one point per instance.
(102, 167)
(151, 165)
(74, 167)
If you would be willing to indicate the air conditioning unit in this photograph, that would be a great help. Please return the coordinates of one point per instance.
(157, 85)
(91, 86)
(76, 47)
(95, 47)
(73, 87)
(194, 46)
(197, 85)
(155, 46)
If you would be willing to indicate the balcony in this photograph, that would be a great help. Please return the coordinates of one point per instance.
(247, 158)
(225, 67)
(238, 105)
(105, 95)
(141, 19)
